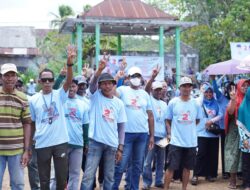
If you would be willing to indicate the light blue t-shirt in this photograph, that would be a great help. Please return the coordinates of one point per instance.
(48, 114)
(183, 126)
(136, 102)
(83, 98)
(159, 109)
(76, 114)
(105, 114)
(201, 129)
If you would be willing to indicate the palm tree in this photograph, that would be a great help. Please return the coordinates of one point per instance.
(64, 12)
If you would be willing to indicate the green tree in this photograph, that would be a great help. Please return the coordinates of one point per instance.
(64, 11)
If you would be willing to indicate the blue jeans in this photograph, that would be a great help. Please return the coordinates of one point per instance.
(16, 171)
(159, 154)
(75, 163)
(96, 151)
(33, 171)
(134, 150)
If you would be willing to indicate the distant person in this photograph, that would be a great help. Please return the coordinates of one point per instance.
(31, 87)
(15, 129)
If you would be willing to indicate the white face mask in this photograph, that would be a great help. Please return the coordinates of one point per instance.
(135, 81)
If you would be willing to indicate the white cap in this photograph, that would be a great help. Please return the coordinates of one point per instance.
(31, 80)
(185, 80)
(7, 67)
(157, 84)
(134, 70)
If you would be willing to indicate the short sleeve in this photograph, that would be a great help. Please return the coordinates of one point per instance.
(169, 114)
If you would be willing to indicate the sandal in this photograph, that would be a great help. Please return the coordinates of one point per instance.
(194, 180)
(232, 186)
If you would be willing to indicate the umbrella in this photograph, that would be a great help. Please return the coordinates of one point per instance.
(245, 64)
(229, 67)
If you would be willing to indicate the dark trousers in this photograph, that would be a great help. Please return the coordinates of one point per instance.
(33, 171)
(206, 164)
(60, 158)
(222, 144)
(246, 169)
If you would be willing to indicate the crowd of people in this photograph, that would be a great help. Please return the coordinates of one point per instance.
(118, 124)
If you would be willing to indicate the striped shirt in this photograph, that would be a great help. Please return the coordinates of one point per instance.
(14, 113)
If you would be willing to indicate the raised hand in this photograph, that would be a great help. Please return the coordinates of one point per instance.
(156, 71)
(232, 93)
(63, 71)
(103, 62)
(71, 54)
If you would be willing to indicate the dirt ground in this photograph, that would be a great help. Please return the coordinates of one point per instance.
(219, 184)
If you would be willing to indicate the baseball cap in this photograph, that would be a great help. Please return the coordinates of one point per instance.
(185, 80)
(106, 77)
(134, 70)
(80, 79)
(7, 67)
(157, 84)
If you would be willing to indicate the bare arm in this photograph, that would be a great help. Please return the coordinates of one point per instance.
(71, 50)
(151, 128)
(27, 138)
(101, 67)
(232, 104)
(151, 80)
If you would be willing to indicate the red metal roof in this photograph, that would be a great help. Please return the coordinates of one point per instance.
(126, 9)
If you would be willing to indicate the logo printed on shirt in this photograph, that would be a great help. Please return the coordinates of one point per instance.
(185, 117)
(158, 110)
(72, 114)
(108, 114)
(134, 103)
(50, 114)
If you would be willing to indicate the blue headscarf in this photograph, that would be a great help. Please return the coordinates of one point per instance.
(210, 103)
(244, 110)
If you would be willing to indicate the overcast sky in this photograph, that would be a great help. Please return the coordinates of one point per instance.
(36, 12)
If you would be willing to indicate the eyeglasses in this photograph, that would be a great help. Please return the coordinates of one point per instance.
(47, 79)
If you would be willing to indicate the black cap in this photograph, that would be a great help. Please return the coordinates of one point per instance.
(106, 77)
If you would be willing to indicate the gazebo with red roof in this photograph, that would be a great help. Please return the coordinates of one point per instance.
(125, 17)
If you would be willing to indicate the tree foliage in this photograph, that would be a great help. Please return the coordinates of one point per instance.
(64, 11)
(219, 23)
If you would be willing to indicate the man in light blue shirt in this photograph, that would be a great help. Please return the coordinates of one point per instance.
(106, 129)
(183, 115)
(140, 124)
(51, 135)
(77, 118)
(159, 109)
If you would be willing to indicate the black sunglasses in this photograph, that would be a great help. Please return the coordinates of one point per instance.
(47, 79)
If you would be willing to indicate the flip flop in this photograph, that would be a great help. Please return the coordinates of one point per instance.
(232, 186)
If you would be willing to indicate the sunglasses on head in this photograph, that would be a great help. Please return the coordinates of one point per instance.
(47, 79)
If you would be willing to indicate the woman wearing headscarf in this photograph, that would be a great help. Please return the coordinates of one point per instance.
(208, 143)
(232, 151)
(244, 131)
